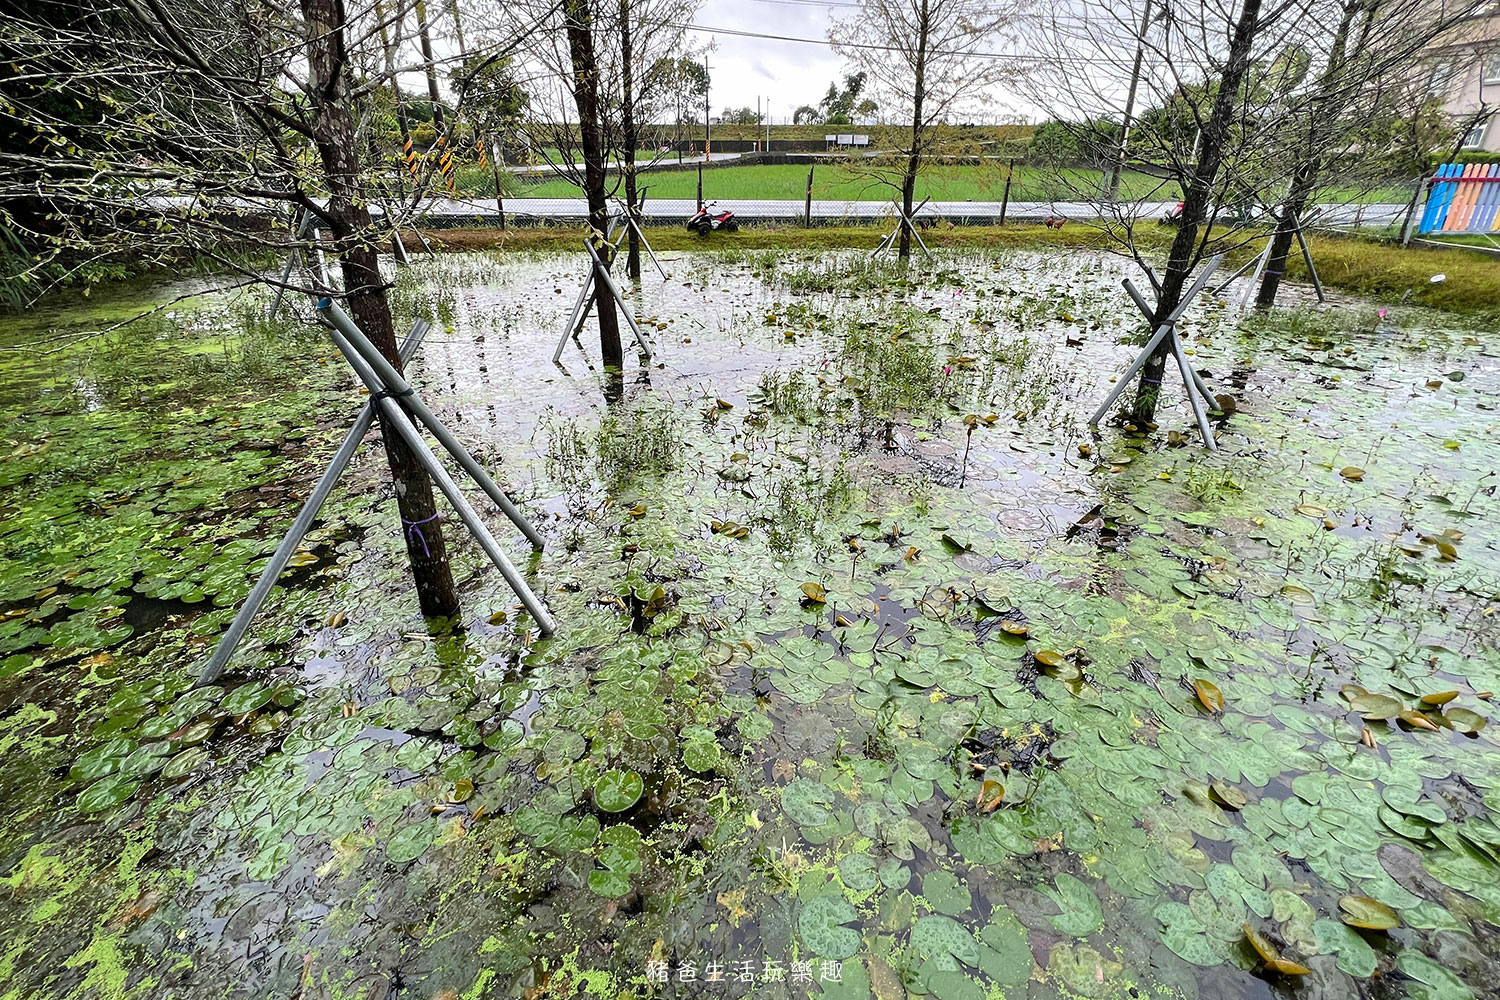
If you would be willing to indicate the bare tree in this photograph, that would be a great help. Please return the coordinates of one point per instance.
(1371, 48)
(924, 60)
(158, 130)
(1208, 83)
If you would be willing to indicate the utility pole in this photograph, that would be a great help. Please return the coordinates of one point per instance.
(1135, 79)
(706, 128)
(440, 142)
(758, 120)
(479, 137)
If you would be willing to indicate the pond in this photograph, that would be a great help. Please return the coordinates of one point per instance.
(878, 673)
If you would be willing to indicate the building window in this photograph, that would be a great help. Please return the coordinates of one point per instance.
(1442, 76)
(1474, 138)
(1489, 67)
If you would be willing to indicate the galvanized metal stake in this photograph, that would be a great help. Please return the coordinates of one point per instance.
(1197, 391)
(907, 223)
(304, 520)
(394, 417)
(393, 380)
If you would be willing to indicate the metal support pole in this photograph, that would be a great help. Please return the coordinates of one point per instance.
(394, 417)
(647, 244)
(574, 319)
(1260, 266)
(906, 222)
(1312, 269)
(1191, 381)
(912, 225)
(302, 221)
(1145, 308)
(393, 380)
(1151, 277)
(1124, 380)
(400, 249)
(1243, 268)
(320, 264)
(304, 521)
(613, 289)
(1193, 401)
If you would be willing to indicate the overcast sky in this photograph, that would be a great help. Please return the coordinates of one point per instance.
(788, 73)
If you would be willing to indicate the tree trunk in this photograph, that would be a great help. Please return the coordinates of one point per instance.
(628, 138)
(1324, 108)
(580, 28)
(914, 159)
(1303, 178)
(1210, 145)
(349, 220)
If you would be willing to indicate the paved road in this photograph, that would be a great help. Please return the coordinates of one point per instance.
(667, 160)
(458, 211)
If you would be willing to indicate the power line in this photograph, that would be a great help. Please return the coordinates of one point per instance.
(1018, 56)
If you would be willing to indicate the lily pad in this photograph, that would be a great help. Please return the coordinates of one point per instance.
(616, 791)
(807, 802)
(946, 942)
(1376, 706)
(106, 792)
(1371, 914)
(246, 698)
(822, 925)
(409, 842)
(1081, 914)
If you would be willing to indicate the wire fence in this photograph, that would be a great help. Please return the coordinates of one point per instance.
(847, 186)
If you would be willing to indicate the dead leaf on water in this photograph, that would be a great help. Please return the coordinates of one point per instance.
(1371, 914)
(814, 593)
(1209, 696)
(1271, 956)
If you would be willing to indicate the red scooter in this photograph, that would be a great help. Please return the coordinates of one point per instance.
(708, 218)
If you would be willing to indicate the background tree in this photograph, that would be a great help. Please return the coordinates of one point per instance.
(1324, 128)
(615, 61)
(1209, 80)
(923, 59)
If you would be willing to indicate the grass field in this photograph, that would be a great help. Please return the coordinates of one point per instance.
(788, 182)
(841, 182)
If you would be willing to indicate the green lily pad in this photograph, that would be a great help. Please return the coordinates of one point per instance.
(185, 763)
(409, 842)
(945, 893)
(1464, 720)
(1434, 981)
(858, 872)
(616, 791)
(106, 792)
(807, 802)
(821, 924)
(1376, 706)
(946, 942)
(1081, 914)
(1355, 956)
(246, 698)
